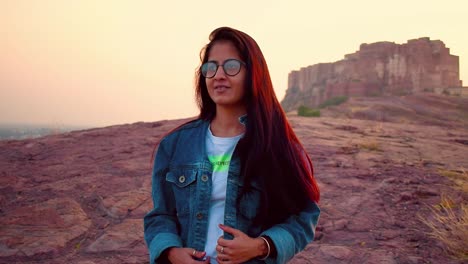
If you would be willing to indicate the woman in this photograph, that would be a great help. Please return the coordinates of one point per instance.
(234, 185)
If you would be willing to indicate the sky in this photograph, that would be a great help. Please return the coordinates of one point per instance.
(106, 62)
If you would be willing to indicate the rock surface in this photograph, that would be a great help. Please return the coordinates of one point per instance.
(376, 69)
(79, 197)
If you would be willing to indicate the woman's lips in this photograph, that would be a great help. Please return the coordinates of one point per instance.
(220, 88)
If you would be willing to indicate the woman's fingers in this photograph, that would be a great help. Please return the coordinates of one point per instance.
(198, 254)
(234, 232)
(187, 255)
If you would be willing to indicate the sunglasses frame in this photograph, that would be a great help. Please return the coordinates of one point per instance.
(241, 63)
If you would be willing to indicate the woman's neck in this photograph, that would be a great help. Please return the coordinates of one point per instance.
(226, 122)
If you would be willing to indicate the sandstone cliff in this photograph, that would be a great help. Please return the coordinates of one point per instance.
(376, 69)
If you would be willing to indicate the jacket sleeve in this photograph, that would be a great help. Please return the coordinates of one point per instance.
(294, 234)
(161, 224)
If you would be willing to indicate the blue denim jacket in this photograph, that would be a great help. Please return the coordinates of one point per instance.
(181, 190)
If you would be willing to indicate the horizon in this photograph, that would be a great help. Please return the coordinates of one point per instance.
(106, 63)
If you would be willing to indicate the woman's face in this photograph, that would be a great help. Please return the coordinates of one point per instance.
(224, 90)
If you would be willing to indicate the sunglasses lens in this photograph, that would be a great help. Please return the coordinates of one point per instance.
(209, 69)
(232, 67)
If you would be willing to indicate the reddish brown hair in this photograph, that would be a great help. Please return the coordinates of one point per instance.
(270, 151)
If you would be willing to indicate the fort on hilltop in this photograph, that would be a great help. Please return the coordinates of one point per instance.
(381, 68)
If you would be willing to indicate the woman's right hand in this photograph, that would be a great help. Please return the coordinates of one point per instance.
(186, 256)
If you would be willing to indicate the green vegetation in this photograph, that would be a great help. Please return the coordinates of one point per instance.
(306, 111)
(334, 101)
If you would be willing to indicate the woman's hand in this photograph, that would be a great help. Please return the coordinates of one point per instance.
(186, 256)
(240, 249)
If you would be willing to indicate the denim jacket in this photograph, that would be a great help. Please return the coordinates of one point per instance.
(181, 191)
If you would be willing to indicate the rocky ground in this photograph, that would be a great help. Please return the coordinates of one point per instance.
(79, 197)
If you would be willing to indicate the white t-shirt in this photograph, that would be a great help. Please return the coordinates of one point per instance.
(219, 151)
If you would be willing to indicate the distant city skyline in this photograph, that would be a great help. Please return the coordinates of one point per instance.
(26, 131)
(99, 63)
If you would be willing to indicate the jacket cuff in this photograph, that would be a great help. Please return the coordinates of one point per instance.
(284, 243)
(160, 243)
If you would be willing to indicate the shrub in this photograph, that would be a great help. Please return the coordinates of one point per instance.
(449, 225)
(306, 111)
(459, 178)
(372, 146)
(449, 220)
(334, 101)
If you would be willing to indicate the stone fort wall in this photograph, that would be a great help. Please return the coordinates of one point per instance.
(376, 69)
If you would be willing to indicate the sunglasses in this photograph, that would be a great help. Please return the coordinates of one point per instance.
(231, 67)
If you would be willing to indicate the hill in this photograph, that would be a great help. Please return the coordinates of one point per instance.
(381, 163)
(420, 108)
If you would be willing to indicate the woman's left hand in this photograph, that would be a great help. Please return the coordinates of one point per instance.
(240, 249)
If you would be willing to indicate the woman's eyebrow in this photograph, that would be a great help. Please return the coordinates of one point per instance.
(218, 62)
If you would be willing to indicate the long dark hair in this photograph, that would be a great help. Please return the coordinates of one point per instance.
(270, 151)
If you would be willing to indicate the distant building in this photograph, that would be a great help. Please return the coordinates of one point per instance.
(420, 65)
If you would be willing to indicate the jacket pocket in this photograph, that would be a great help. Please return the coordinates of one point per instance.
(183, 184)
(250, 201)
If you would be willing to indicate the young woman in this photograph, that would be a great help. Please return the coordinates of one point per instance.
(235, 185)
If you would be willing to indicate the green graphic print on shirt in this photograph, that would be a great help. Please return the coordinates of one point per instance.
(220, 162)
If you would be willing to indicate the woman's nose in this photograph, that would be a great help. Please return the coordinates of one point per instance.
(220, 73)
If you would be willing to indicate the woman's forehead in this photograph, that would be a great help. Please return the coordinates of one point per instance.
(223, 50)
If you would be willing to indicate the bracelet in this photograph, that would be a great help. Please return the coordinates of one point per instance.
(269, 248)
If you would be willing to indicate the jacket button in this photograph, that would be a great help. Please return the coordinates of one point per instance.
(182, 179)
(199, 216)
(204, 178)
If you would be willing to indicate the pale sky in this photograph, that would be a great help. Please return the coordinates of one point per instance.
(107, 62)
